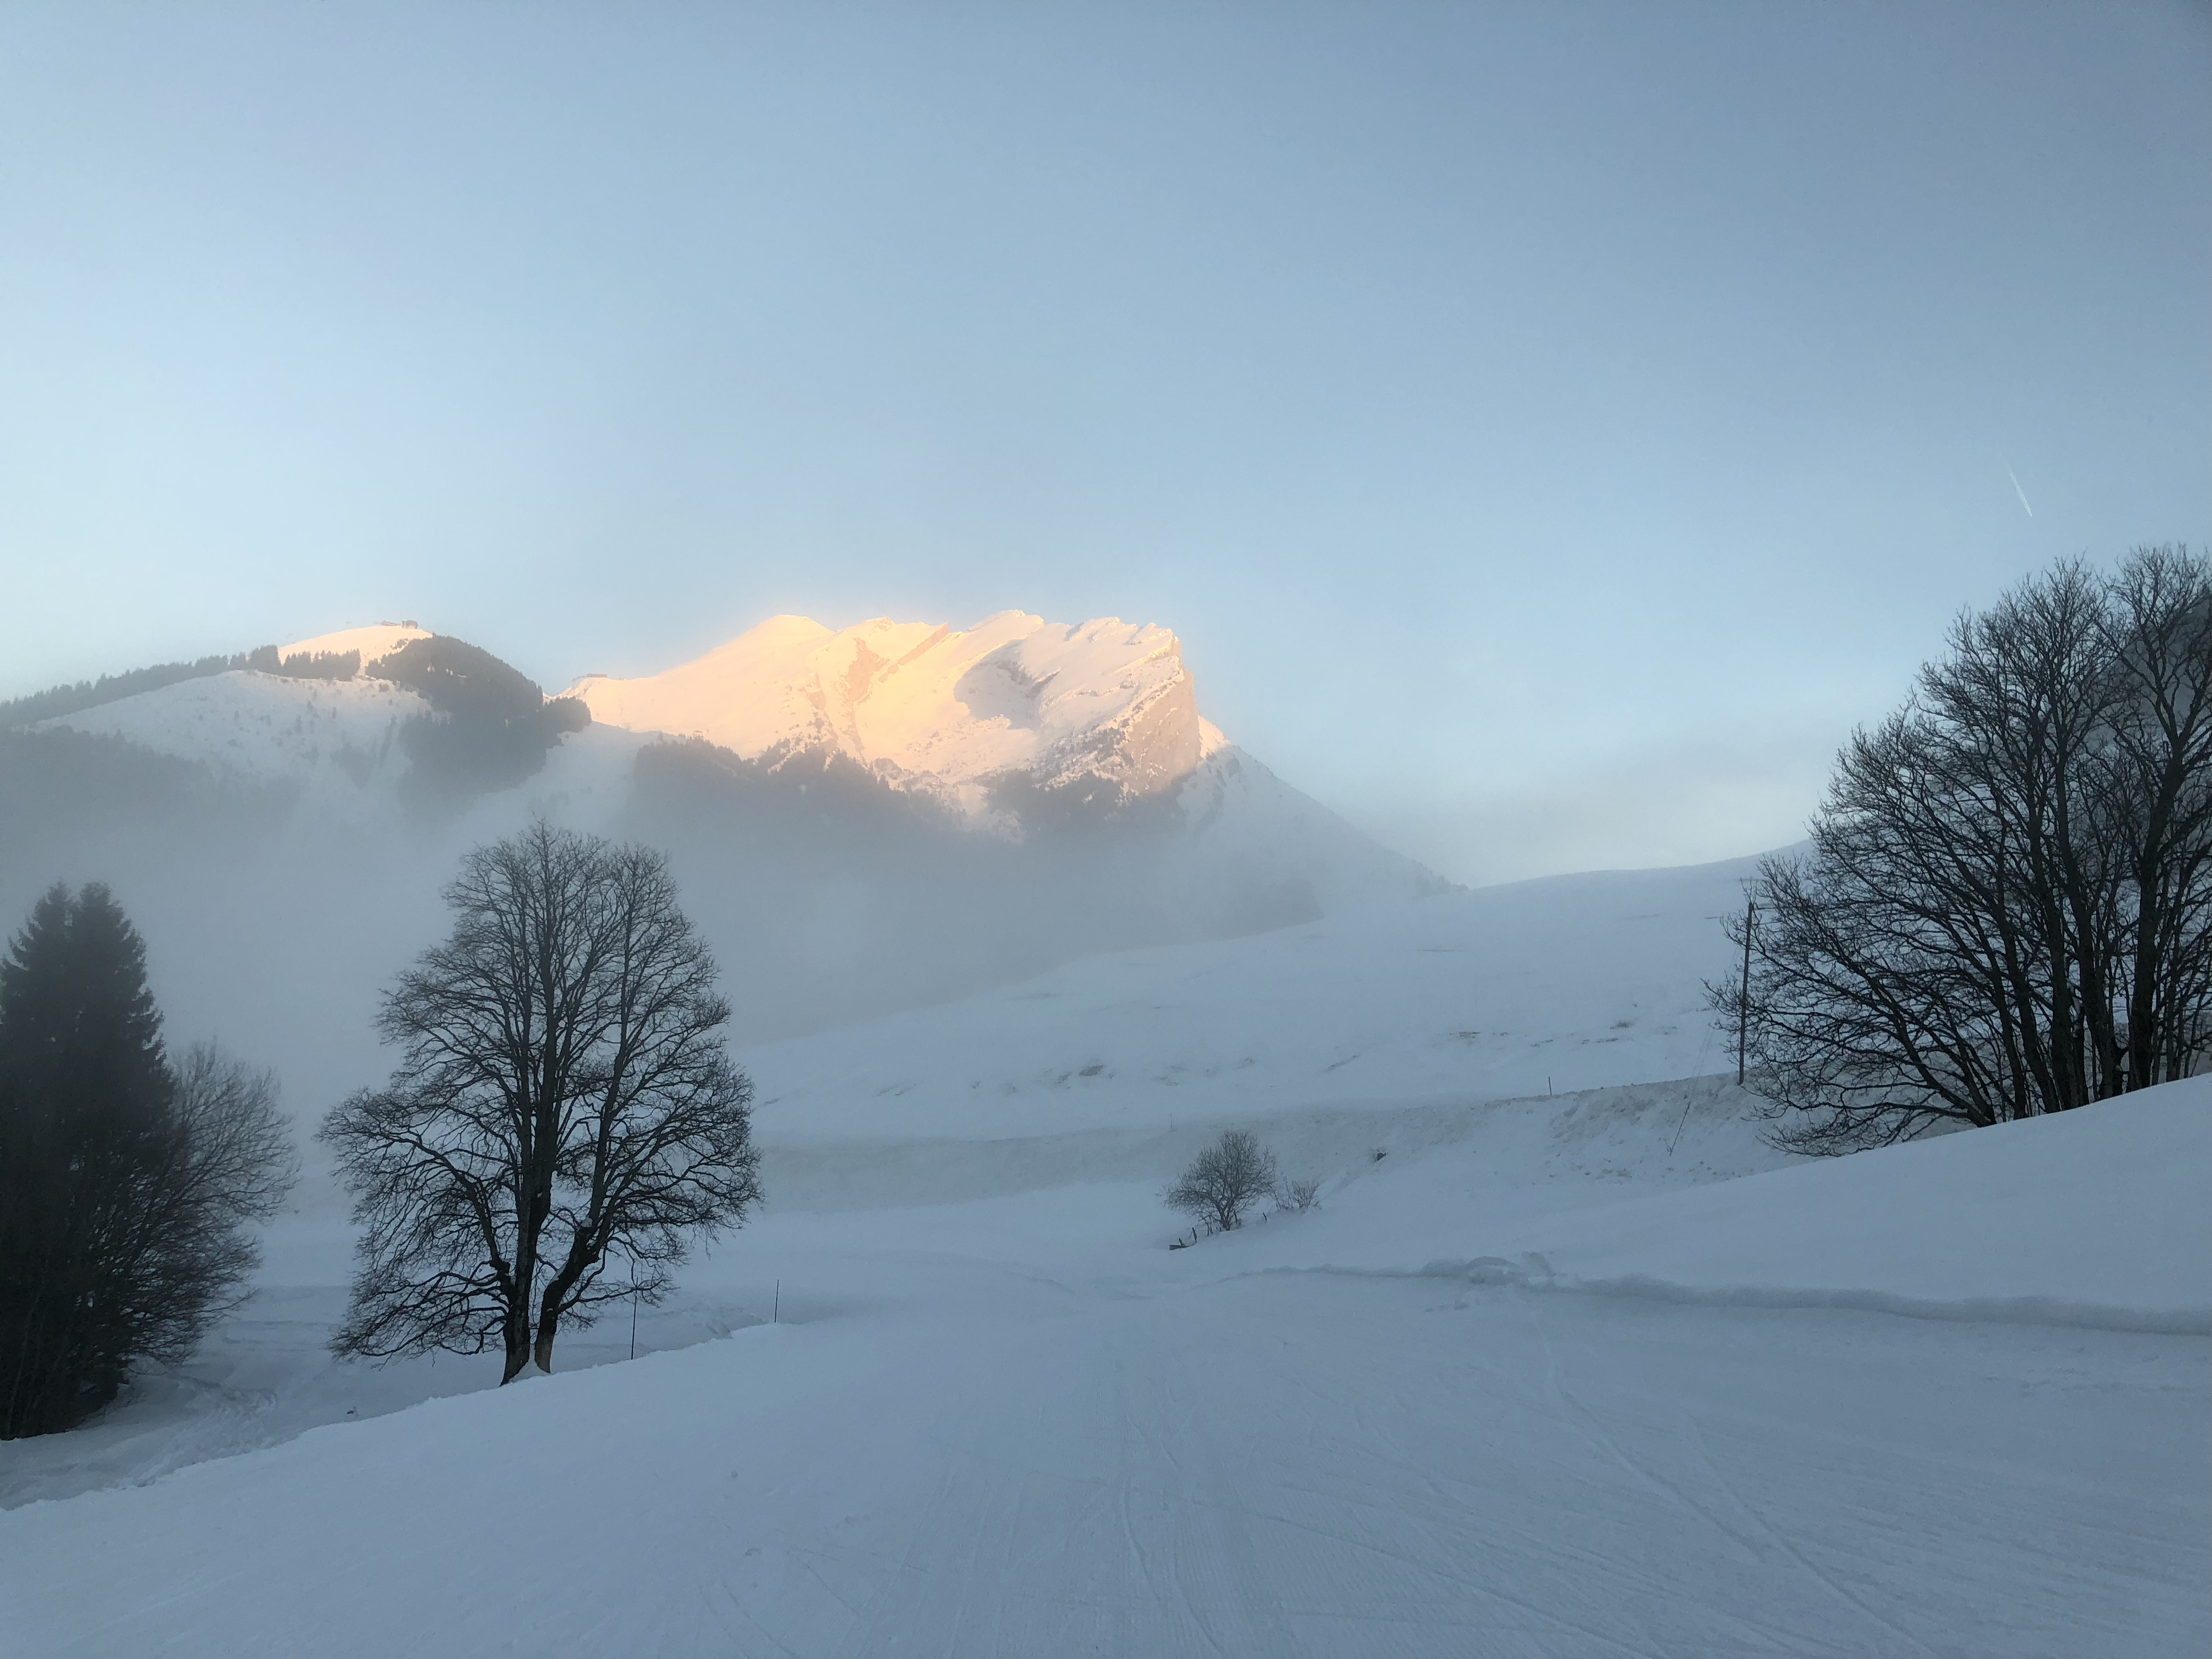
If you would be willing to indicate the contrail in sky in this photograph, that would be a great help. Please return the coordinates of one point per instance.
(2016, 489)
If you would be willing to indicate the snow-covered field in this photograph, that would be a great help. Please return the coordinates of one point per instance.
(1528, 1383)
(1585, 1372)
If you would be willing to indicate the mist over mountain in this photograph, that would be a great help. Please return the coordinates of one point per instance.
(863, 820)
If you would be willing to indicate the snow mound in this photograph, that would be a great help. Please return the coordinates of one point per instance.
(2092, 1217)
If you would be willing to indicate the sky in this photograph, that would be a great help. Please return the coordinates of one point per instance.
(1549, 427)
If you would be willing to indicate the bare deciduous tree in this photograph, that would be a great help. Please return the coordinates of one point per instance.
(1226, 1179)
(228, 1159)
(564, 1095)
(2007, 906)
(1299, 1195)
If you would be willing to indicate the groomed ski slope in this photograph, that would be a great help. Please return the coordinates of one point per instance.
(1512, 1390)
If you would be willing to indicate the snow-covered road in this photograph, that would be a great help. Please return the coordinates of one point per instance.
(1008, 1427)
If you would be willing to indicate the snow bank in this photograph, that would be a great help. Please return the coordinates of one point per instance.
(2094, 1217)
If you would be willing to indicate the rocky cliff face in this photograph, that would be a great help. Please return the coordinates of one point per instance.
(1007, 710)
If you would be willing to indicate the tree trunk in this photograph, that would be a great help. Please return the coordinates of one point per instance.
(517, 1331)
(546, 1328)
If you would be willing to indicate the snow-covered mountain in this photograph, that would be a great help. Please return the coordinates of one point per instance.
(362, 726)
(956, 713)
(881, 818)
(1013, 726)
(1018, 725)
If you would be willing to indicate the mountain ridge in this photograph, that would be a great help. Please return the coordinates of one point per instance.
(1014, 726)
(1000, 796)
(1103, 708)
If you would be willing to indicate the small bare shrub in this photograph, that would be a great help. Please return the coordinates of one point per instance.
(1226, 1179)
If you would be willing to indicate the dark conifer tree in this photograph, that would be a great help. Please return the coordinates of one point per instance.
(123, 1183)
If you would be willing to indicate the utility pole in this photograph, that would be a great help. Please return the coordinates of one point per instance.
(1743, 999)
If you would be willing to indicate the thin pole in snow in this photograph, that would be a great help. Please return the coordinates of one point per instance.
(1743, 1000)
(1678, 1127)
(775, 1316)
(633, 1307)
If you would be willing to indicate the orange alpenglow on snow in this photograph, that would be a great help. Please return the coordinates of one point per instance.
(948, 707)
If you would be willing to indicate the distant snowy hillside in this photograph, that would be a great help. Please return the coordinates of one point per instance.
(1245, 824)
(1569, 983)
(359, 724)
(338, 741)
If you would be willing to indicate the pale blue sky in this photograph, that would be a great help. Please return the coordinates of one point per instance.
(1550, 427)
